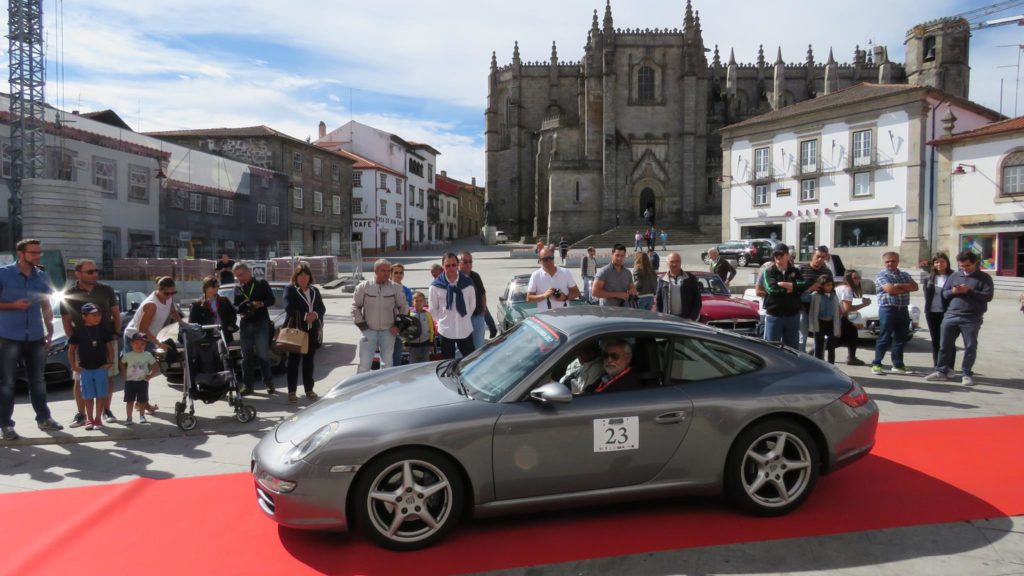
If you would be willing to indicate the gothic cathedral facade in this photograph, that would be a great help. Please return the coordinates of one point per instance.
(575, 148)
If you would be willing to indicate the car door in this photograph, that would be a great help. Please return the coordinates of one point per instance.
(594, 442)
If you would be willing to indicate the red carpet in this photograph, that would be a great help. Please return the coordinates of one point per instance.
(919, 473)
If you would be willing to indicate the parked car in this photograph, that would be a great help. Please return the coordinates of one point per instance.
(170, 364)
(403, 453)
(500, 237)
(721, 309)
(744, 252)
(865, 319)
(512, 304)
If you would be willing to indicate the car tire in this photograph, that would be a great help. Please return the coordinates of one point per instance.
(741, 260)
(431, 487)
(760, 480)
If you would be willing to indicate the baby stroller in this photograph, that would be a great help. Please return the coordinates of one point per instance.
(208, 375)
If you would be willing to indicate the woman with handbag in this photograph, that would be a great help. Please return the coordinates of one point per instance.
(212, 308)
(305, 311)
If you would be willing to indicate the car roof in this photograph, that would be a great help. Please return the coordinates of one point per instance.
(273, 284)
(581, 318)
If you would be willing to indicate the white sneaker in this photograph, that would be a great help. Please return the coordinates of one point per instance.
(967, 380)
(936, 377)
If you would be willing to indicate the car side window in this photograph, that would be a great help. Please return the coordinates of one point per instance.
(695, 359)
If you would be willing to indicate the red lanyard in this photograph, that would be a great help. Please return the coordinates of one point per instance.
(604, 385)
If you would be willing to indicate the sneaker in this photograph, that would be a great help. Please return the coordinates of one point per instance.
(89, 425)
(854, 361)
(9, 433)
(877, 369)
(270, 389)
(936, 377)
(78, 420)
(899, 370)
(128, 421)
(109, 416)
(142, 419)
(50, 425)
(97, 424)
(967, 380)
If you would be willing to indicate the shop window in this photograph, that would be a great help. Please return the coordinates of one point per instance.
(984, 245)
(867, 232)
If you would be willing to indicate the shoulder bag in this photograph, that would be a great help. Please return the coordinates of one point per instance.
(291, 339)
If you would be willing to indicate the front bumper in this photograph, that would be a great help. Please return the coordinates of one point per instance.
(318, 499)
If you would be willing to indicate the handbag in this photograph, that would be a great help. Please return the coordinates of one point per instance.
(293, 340)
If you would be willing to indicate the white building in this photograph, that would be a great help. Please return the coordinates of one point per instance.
(414, 163)
(378, 205)
(850, 170)
(981, 195)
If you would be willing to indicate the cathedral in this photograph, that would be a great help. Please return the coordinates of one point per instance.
(576, 148)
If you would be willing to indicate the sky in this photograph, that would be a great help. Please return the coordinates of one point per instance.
(419, 70)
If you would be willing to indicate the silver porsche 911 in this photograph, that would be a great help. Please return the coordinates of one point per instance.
(404, 453)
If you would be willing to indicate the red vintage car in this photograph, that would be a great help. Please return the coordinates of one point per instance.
(721, 309)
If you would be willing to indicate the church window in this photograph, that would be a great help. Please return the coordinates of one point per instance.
(761, 195)
(645, 84)
(1013, 174)
(761, 164)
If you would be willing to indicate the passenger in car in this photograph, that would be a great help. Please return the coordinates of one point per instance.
(618, 368)
(586, 368)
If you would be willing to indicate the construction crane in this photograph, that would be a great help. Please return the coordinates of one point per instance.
(974, 17)
(28, 102)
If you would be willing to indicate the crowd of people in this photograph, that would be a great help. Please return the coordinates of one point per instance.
(807, 304)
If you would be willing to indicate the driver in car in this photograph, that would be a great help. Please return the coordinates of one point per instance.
(619, 375)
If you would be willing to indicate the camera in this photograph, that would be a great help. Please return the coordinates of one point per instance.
(246, 309)
(557, 293)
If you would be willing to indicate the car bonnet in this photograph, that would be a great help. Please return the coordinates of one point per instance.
(393, 390)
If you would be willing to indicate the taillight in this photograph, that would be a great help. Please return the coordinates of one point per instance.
(855, 396)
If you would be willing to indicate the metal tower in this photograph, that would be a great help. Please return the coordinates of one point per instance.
(28, 101)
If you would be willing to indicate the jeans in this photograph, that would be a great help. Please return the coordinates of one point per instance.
(825, 341)
(34, 355)
(953, 326)
(645, 302)
(479, 330)
(782, 328)
(369, 343)
(934, 320)
(255, 342)
(396, 357)
(588, 281)
(893, 324)
(804, 329)
(448, 345)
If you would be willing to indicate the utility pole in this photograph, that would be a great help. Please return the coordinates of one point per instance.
(28, 101)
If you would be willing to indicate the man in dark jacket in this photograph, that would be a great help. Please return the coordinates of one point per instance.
(968, 292)
(678, 292)
(783, 284)
(252, 298)
(720, 266)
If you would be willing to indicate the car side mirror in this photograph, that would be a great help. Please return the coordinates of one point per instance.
(501, 299)
(551, 393)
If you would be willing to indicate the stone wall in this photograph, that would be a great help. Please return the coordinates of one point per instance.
(64, 216)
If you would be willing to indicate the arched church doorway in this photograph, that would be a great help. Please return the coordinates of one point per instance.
(647, 203)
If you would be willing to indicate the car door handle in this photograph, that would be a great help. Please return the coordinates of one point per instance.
(670, 418)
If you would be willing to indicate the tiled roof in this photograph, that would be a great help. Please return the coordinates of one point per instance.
(851, 95)
(260, 131)
(993, 129)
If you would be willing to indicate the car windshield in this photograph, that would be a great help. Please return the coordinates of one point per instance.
(278, 291)
(517, 292)
(712, 285)
(498, 367)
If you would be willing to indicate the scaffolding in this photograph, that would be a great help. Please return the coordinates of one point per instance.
(28, 101)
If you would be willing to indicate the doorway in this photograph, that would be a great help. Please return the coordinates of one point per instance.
(808, 240)
(647, 203)
(1011, 255)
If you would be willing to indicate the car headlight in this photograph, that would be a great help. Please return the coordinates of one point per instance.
(309, 445)
(57, 347)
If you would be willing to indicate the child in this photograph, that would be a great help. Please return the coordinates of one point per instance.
(139, 366)
(419, 349)
(91, 351)
(824, 318)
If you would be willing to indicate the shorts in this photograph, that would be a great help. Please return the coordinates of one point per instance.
(136, 391)
(94, 383)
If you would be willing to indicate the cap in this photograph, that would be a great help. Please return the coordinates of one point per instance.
(138, 336)
(780, 249)
(89, 308)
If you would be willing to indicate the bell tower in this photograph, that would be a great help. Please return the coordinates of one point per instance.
(937, 55)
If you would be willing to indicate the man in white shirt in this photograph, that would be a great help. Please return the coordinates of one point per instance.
(551, 286)
(452, 301)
